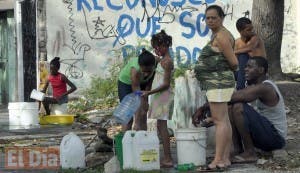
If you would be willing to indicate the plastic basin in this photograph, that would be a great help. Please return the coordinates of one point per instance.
(64, 119)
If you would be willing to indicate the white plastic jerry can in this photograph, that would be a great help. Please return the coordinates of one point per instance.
(72, 152)
(146, 146)
(128, 149)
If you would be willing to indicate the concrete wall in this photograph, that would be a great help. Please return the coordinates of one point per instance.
(290, 49)
(91, 35)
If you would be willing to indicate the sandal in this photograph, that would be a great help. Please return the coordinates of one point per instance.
(215, 169)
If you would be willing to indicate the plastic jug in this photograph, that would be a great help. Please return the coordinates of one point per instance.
(146, 151)
(140, 150)
(127, 108)
(37, 95)
(128, 149)
(72, 152)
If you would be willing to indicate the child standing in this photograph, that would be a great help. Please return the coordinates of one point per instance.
(137, 75)
(161, 94)
(59, 83)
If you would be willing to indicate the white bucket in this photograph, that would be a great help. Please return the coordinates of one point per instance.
(57, 109)
(37, 95)
(191, 145)
(23, 115)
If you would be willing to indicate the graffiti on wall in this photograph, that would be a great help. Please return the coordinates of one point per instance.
(88, 34)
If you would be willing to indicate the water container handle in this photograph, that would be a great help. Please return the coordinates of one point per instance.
(138, 93)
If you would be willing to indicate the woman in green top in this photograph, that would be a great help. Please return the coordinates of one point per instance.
(215, 72)
(137, 75)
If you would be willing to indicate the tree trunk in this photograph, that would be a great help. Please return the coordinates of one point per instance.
(29, 47)
(268, 19)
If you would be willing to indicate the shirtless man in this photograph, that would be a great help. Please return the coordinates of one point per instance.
(249, 42)
(247, 46)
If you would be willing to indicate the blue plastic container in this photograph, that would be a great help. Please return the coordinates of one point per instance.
(128, 107)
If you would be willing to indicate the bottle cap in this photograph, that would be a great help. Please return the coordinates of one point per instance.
(139, 93)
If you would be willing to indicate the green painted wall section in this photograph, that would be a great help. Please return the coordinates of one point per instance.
(8, 61)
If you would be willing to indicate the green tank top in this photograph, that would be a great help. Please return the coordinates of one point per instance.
(213, 70)
(124, 75)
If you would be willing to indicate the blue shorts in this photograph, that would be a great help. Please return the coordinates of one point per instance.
(52, 100)
(263, 133)
(240, 75)
(123, 90)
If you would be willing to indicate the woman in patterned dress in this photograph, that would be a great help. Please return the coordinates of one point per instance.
(215, 70)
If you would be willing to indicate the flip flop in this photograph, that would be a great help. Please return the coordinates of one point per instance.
(240, 160)
(215, 169)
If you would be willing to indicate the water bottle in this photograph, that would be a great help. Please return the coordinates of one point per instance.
(186, 167)
(127, 108)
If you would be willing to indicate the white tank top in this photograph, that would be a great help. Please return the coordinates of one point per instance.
(275, 114)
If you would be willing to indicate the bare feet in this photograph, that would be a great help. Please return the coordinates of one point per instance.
(219, 164)
(166, 164)
(227, 163)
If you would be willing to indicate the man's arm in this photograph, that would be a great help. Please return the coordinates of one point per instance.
(265, 92)
(250, 93)
(251, 45)
(239, 43)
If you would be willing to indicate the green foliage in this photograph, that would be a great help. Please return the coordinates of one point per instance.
(102, 92)
(180, 71)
